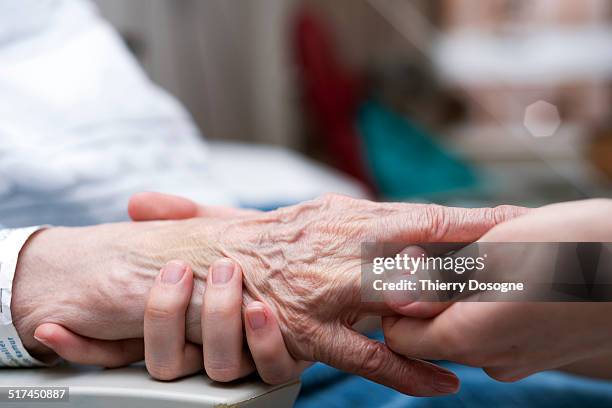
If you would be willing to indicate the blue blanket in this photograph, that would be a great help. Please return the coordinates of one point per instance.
(324, 386)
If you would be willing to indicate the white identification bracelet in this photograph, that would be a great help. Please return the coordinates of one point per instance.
(12, 351)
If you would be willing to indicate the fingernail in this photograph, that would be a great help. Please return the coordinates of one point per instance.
(402, 297)
(41, 340)
(401, 294)
(256, 317)
(446, 382)
(173, 272)
(222, 271)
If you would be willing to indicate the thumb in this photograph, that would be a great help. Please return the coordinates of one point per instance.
(150, 206)
(410, 303)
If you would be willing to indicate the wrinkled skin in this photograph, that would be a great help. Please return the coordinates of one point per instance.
(326, 235)
(304, 261)
(512, 340)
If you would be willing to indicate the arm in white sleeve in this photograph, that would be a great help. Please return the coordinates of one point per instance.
(12, 352)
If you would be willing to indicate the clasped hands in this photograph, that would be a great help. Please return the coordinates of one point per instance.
(293, 273)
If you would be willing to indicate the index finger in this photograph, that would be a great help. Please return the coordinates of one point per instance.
(435, 223)
(350, 351)
(167, 355)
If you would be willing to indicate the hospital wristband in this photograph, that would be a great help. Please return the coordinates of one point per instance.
(12, 351)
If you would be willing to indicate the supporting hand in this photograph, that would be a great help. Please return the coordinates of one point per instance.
(512, 340)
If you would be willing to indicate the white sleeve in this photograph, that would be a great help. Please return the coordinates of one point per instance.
(12, 351)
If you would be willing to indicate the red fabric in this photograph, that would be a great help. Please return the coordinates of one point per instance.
(332, 93)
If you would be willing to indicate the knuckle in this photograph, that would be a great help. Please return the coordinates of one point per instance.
(163, 307)
(503, 213)
(287, 214)
(161, 313)
(437, 220)
(375, 358)
(490, 216)
(330, 199)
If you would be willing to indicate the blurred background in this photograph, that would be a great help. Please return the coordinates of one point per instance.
(462, 102)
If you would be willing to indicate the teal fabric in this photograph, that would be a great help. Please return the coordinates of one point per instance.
(323, 386)
(404, 160)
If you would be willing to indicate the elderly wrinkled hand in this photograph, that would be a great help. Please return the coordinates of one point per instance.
(305, 262)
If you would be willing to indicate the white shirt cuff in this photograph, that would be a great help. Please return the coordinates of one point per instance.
(12, 351)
